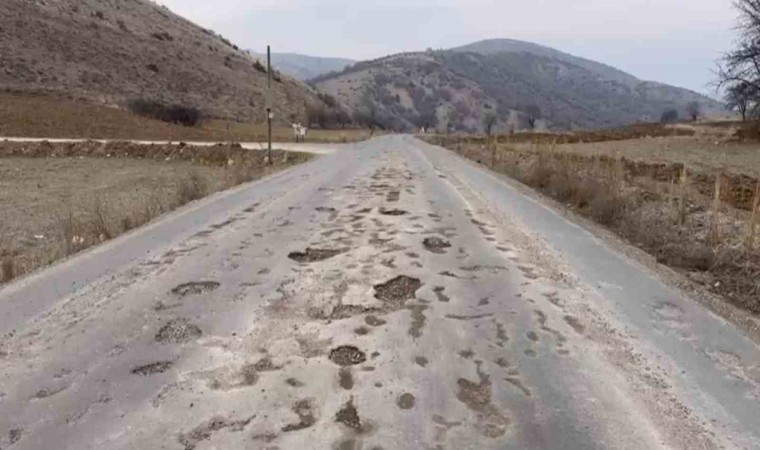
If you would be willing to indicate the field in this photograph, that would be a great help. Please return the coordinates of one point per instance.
(60, 199)
(689, 197)
(45, 116)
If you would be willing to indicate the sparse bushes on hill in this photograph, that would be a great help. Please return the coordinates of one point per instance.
(183, 115)
(259, 67)
(669, 116)
(162, 36)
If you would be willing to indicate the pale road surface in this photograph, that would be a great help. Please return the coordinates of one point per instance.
(528, 332)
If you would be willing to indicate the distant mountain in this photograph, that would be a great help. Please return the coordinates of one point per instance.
(304, 67)
(512, 80)
(493, 47)
(115, 51)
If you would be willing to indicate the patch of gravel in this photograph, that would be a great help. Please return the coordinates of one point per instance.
(178, 331)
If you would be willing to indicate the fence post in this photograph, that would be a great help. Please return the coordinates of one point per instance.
(682, 201)
(714, 235)
(753, 220)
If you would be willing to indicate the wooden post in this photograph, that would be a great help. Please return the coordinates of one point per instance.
(270, 105)
(714, 235)
(682, 201)
(493, 152)
(754, 220)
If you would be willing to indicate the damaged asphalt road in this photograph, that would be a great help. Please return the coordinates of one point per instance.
(388, 296)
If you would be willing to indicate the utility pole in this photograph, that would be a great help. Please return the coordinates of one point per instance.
(269, 105)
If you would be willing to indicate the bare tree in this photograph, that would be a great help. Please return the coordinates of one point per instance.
(741, 66)
(741, 97)
(489, 120)
(694, 109)
(534, 114)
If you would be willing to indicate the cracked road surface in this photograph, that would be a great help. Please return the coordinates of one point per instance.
(388, 296)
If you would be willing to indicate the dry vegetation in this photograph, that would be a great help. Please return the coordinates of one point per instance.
(48, 116)
(692, 202)
(59, 199)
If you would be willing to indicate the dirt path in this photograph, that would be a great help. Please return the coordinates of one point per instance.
(388, 296)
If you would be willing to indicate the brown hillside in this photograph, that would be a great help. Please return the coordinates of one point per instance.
(112, 51)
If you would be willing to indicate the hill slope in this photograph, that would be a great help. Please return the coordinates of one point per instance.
(456, 89)
(305, 67)
(112, 51)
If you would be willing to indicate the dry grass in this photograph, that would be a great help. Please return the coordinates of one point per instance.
(693, 221)
(45, 116)
(61, 199)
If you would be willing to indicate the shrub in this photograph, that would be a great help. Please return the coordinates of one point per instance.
(183, 115)
(193, 188)
(162, 36)
(260, 67)
(669, 116)
(8, 270)
(327, 99)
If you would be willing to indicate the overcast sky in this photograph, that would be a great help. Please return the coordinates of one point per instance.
(672, 41)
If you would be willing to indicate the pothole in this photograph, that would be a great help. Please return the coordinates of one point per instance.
(347, 355)
(345, 311)
(398, 290)
(349, 417)
(305, 413)
(491, 421)
(438, 290)
(406, 401)
(436, 245)
(392, 212)
(374, 321)
(195, 288)
(153, 368)
(178, 331)
(313, 255)
(346, 379)
(418, 320)
(575, 324)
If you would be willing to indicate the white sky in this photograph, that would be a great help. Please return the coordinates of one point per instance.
(672, 41)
